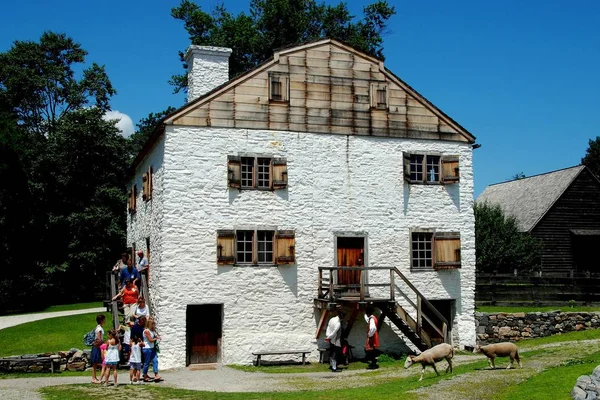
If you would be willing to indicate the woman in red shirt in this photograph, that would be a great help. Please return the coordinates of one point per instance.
(130, 294)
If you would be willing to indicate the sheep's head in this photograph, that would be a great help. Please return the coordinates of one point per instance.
(409, 361)
(477, 349)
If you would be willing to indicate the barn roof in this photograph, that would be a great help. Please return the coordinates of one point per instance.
(529, 199)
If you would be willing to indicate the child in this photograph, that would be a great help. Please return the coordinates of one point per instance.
(96, 355)
(135, 360)
(126, 330)
(103, 348)
(112, 355)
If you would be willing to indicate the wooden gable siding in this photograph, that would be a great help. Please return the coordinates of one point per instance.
(329, 93)
(577, 208)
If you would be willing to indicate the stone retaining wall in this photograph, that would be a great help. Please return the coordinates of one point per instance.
(587, 387)
(502, 327)
(72, 360)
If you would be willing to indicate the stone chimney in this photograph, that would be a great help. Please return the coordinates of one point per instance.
(208, 67)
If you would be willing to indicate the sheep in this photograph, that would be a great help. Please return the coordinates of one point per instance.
(431, 356)
(504, 349)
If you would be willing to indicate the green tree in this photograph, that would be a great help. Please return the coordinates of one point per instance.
(62, 166)
(499, 244)
(272, 24)
(517, 176)
(37, 80)
(592, 156)
(144, 130)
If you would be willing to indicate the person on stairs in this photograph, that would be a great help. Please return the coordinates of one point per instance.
(130, 295)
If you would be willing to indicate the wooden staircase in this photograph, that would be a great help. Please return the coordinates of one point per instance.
(419, 321)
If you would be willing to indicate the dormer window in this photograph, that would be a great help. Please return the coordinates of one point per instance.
(279, 87)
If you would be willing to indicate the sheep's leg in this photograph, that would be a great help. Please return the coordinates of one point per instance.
(422, 373)
(435, 369)
(492, 364)
(518, 360)
(449, 367)
(510, 363)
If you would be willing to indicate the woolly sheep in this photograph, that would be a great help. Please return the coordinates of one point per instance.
(504, 349)
(431, 356)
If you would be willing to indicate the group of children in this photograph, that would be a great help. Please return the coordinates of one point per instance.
(107, 355)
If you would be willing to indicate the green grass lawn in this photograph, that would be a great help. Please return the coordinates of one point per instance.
(48, 335)
(527, 309)
(64, 307)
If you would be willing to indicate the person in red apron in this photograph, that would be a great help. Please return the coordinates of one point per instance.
(372, 343)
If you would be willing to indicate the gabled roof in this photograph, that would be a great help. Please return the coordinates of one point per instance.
(218, 92)
(529, 199)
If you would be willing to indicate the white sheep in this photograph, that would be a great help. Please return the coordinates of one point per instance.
(431, 356)
(504, 349)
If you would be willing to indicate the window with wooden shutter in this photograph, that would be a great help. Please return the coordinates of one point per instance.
(147, 185)
(406, 166)
(280, 175)
(279, 87)
(450, 172)
(379, 95)
(285, 244)
(225, 247)
(447, 250)
(234, 171)
(132, 199)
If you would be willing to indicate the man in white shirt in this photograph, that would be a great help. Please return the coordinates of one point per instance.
(333, 335)
(142, 264)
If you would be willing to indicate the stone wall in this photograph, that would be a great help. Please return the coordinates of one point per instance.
(587, 387)
(72, 360)
(502, 327)
(337, 184)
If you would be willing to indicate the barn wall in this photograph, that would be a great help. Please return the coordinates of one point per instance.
(336, 183)
(577, 208)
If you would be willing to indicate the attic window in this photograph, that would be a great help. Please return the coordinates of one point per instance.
(379, 95)
(279, 87)
(428, 168)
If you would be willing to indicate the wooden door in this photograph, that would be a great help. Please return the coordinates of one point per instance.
(204, 332)
(350, 253)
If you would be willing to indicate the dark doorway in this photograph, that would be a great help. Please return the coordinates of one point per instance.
(584, 249)
(448, 310)
(350, 253)
(204, 324)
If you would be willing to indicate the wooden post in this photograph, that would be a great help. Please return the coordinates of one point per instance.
(331, 285)
(114, 307)
(392, 286)
(445, 332)
(321, 323)
(320, 288)
(419, 316)
(362, 285)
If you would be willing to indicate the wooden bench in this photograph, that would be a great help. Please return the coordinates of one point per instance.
(259, 354)
(346, 358)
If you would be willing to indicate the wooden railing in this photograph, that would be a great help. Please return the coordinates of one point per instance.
(422, 309)
(113, 289)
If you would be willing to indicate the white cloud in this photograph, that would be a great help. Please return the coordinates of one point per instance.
(125, 124)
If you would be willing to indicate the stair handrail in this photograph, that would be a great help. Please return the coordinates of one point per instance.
(114, 305)
(144, 288)
(423, 300)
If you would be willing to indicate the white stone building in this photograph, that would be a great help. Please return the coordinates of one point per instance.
(318, 158)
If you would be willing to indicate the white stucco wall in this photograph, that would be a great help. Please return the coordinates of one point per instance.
(336, 183)
(147, 221)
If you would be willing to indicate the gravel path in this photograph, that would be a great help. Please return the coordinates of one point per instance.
(12, 320)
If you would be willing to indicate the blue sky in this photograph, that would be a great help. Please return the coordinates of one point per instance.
(521, 76)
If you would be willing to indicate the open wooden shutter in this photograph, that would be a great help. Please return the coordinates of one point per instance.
(225, 247)
(374, 94)
(285, 245)
(447, 250)
(132, 199)
(450, 172)
(280, 175)
(147, 185)
(406, 166)
(234, 171)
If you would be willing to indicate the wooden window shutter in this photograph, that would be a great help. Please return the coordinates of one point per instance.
(373, 95)
(450, 171)
(132, 199)
(234, 171)
(145, 186)
(406, 166)
(447, 250)
(285, 245)
(225, 247)
(280, 174)
(379, 95)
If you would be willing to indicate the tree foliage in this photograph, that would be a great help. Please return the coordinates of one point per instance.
(592, 156)
(63, 171)
(37, 79)
(272, 24)
(499, 244)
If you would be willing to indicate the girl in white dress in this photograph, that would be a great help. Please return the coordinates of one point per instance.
(112, 355)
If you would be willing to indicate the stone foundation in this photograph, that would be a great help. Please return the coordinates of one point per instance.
(502, 327)
(72, 360)
(588, 386)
